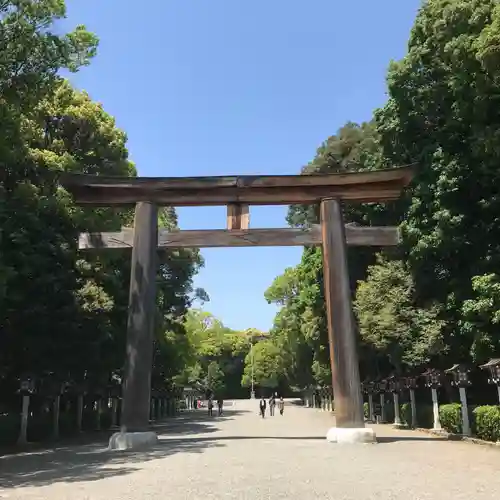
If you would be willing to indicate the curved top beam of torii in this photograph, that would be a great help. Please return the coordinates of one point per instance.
(354, 187)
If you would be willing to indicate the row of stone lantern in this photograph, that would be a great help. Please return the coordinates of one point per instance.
(163, 402)
(319, 397)
(433, 380)
(191, 397)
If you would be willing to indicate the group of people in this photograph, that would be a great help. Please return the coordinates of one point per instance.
(210, 405)
(273, 401)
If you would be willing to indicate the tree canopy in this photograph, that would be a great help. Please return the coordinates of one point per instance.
(63, 313)
(434, 298)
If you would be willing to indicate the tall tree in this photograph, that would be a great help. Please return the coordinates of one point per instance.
(443, 114)
(389, 320)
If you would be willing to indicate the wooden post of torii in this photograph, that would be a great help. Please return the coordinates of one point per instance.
(238, 193)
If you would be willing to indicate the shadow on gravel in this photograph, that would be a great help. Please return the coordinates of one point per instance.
(194, 423)
(395, 439)
(243, 438)
(88, 459)
(86, 463)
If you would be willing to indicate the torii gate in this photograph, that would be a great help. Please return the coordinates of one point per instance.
(238, 193)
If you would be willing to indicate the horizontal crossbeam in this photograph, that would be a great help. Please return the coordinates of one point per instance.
(215, 238)
(357, 187)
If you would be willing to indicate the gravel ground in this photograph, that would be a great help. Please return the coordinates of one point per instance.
(241, 456)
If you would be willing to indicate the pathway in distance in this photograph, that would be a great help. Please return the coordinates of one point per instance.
(242, 456)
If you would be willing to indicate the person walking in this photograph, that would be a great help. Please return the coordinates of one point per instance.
(210, 405)
(272, 405)
(220, 405)
(262, 407)
(281, 406)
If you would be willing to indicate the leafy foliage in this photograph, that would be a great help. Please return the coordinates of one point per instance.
(63, 314)
(442, 114)
(487, 422)
(215, 355)
(391, 322)
(266, 359)
(450, 416)
(435, 298)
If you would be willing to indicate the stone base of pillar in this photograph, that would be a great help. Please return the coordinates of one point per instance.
(132, 440)
(346, 435)
(398, 426)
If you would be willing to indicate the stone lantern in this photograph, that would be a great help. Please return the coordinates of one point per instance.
(394, 387)
(368, 388)
(410, 383)
(381, 388)
(321, 391)
(493, 367)
(114, 392)
(53, 388)
(153, 404)
(460, 379)
(433, 381)
(27, 387)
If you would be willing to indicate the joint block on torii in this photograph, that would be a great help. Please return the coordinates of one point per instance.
(238, 217)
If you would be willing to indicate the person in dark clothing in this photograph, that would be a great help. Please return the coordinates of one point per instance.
(210, 407)
(220, 405)
(262, 407)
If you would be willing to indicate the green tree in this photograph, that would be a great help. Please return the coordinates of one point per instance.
(215, 379)
(481, 316)
(390, 321)
(267, 363)
(300, 325)
(211, 344)
(441, 114)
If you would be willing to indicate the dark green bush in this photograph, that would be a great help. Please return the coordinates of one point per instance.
(389, 411)
(405, 411)
(451, 417)
(39, 427)
(487, 422)
(67, 424)
(10, 424)
(106, 418)
(425, 416)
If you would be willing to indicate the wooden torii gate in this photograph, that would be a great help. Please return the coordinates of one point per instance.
(238, 193)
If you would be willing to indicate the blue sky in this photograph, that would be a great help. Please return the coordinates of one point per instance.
(238, 87)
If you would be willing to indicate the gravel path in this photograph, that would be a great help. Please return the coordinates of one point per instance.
(241, 456)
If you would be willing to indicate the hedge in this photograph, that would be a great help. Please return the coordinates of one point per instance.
(487, 422)
(451, 417)
(405, 412)
(366, 410)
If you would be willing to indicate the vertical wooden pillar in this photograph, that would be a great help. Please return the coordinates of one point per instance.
(341, 328)
(141, 312)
